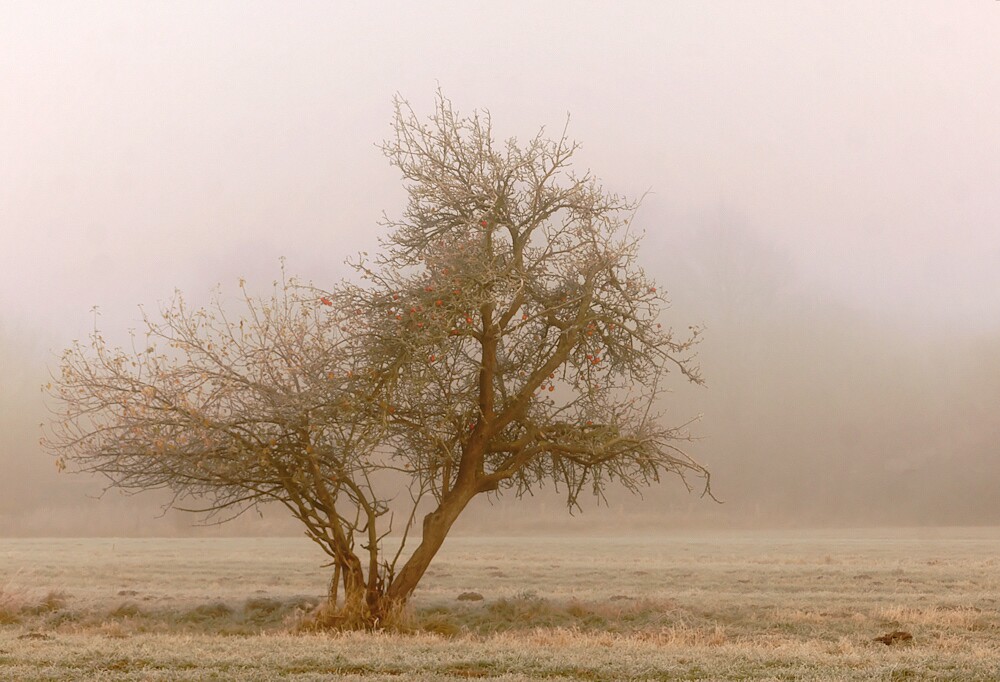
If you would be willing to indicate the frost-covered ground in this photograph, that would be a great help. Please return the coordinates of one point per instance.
(800, 605)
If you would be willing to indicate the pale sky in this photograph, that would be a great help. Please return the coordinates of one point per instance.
(152, 145)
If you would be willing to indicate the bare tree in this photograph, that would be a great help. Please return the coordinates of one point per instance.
(505, 337)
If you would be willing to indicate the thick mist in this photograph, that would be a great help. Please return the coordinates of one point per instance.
(822, 200)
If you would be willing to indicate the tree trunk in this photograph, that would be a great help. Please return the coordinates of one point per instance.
(370, 604)
(356, 612)
(332, 597)
(435, 529)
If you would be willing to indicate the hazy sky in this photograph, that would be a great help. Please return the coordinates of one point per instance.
(148, 145)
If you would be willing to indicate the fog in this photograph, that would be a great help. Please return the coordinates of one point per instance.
(822, 197)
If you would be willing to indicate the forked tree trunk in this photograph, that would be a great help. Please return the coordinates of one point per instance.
(369, 604)
(356, 612)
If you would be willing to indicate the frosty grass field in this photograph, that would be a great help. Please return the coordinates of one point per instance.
(802, 605)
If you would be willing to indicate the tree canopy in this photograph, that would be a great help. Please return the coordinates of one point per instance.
(504, 337)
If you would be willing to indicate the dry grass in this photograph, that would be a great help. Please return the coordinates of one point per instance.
(12, 601)
(18, 603)
(781, 606)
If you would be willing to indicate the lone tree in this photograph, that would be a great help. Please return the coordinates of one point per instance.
(503, 338)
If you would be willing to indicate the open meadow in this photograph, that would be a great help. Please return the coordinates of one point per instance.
(791, 605)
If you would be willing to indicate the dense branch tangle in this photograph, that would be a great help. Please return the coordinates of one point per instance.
(226, 414)
(504, 337)
(519, 340)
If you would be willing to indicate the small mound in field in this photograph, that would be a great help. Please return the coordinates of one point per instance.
(470, 596)
(894, 637)
(621, 597)
(205, 612)
(261, 607)
(40, 636)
